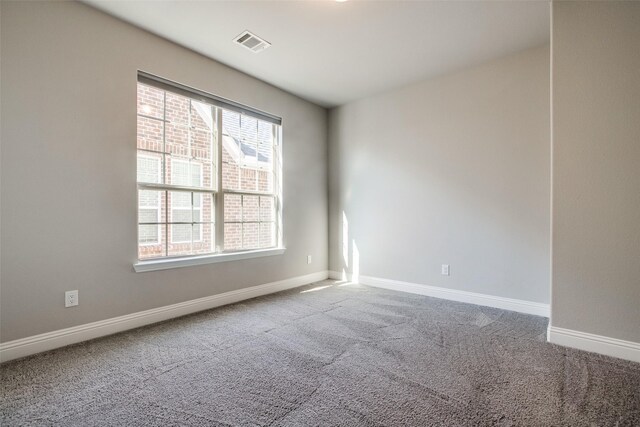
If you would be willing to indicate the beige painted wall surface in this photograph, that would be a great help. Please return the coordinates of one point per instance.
(454, 170)
(68, 171)
(596, 168)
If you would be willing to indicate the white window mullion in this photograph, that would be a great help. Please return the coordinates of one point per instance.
(164, 173)
(164, 138)
(277, 184)
(192, 202)
(219, 199)
(166, 223)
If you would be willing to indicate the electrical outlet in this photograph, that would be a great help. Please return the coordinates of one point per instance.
(71, 298)
(445, 269)
(308, 259)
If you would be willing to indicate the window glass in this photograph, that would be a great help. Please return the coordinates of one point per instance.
(196, 159)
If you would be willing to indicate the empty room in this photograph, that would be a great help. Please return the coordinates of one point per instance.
(319, 213)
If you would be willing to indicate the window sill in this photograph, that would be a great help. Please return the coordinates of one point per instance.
(165, 264)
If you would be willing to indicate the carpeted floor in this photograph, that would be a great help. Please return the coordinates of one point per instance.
(325, 355)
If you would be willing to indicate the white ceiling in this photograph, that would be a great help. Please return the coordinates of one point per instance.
(332, 53)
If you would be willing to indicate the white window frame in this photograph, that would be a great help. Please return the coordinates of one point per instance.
(219, 254)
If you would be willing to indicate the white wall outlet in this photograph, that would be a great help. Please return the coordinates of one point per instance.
(308, 259)
(445, 269)
(70, 298)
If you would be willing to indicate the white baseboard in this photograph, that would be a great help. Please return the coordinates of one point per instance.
(621, 349)
(338, 276)
(63, 337)
(527, 307)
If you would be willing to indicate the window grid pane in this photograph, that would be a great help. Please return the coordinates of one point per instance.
(249, 221)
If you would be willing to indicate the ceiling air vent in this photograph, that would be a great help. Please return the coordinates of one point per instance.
(252, 42)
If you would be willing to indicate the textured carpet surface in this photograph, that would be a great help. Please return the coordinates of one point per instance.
(325, 355)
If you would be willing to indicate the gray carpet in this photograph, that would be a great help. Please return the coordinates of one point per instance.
(341, 355)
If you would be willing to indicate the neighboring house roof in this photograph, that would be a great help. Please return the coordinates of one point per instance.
(249, 151)
(241, 136)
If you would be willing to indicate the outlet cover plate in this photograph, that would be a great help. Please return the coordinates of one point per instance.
(71, 298)
(445, 269)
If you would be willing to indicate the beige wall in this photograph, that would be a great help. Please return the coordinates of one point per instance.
(596, 168)
(454, 170)
(68, 177)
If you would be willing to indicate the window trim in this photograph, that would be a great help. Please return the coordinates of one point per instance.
(220, 255)
(200, 95)
(188, 261)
